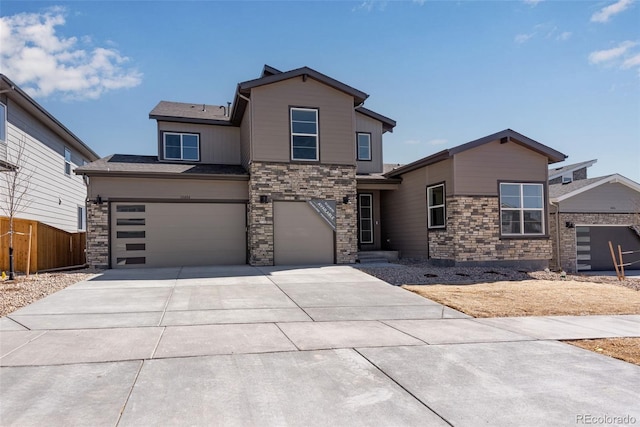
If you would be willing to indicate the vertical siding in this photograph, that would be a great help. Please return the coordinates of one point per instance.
(271, 127)
(245, 137)
(478, 170)
(374, 127)
(218, 144)
(405, 216)
(441, 172)
(607, 198)
(54, 196)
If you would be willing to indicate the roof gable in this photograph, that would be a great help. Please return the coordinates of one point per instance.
(505, 136)
(560, 192)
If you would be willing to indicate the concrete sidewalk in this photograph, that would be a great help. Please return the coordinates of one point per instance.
(296, 346)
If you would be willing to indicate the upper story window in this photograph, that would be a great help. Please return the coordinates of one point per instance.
(181, 146)
(304, 134)
(436, 206)
(364, 146)
(3, 122)
(67, 161)
(521, 209)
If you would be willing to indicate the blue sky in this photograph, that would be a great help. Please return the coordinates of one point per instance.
(565, 73)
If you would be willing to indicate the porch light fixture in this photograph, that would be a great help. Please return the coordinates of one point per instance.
(264, 199)
(345, 200)
(98, 200)
(569, 224)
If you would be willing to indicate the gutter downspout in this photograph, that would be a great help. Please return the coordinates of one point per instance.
(557, 206)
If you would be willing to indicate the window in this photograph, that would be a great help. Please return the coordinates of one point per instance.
(521, 209)
(364, 146)
(436, 206)
(304, 134)
(182, 146)
(82, 218)
(67, 161)
(3, 122)
(365, 212)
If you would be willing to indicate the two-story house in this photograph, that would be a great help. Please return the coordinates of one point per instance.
(270, 180)
(292, 173)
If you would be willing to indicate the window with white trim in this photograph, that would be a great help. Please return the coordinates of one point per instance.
(304, 134)
(365, 213)
(82, 218)
(364, 146)
(521, 209)
(436, 206)
(3, 122)
(67, 161)
(181, 146)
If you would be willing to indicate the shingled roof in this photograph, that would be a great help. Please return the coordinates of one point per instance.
(190, 113)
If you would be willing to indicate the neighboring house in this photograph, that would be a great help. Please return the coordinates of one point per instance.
(592, 213)
(569, 173)
(51, 152)
(292, 173)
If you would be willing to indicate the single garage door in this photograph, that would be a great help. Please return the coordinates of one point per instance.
(301, 236)
(177, 234)
(592, 244)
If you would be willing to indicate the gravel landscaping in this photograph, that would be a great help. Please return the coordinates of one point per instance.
(23, 291)
(417, 272)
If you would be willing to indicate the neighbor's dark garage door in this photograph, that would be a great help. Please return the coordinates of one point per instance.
(177, 234)
(592, 244)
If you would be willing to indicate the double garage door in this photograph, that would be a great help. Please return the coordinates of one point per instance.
(177, 234)
(592, 244)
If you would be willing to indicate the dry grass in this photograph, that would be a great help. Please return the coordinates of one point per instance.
(627, 349)
(534, 298)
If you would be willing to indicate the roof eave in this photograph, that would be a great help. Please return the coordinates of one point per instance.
(178, 175)
(425, 161)
(193, 120)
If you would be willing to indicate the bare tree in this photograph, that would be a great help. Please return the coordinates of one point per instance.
(17, 184)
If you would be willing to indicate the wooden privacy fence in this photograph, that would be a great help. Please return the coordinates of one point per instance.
(50, 247)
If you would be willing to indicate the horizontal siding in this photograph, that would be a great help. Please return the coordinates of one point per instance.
(374, 127)
(158, 188)
(478, 170)
(405, 216)
(441, 172)
(218, 144)
(271, 126)
(613, 198)
(54, 197)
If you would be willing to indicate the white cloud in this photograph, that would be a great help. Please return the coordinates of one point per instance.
(607, 55)
(437, 141)
(533, 2)
(369, 5)
(412, 141)
(604, 14)
(43, 62)
(523, 38)
(564, 36)
(633, 61)
(419, 2)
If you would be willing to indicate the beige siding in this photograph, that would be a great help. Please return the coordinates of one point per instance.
(160, 188)
(53, 197)
(218, 144)
(245, 137)
(405, 216)
(271, 126)
(374, 127)
(441, 172)
(607, 198)
(478, 170)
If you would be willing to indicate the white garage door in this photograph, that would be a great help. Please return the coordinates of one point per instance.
(177, 234)
(301, 236)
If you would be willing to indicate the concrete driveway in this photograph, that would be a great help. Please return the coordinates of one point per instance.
(297, 346)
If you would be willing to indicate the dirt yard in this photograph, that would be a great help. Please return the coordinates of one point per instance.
(546, 298)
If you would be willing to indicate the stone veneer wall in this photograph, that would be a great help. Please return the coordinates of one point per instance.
(98, 235)
(473, 235)
(294, 181)
(568, 235)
